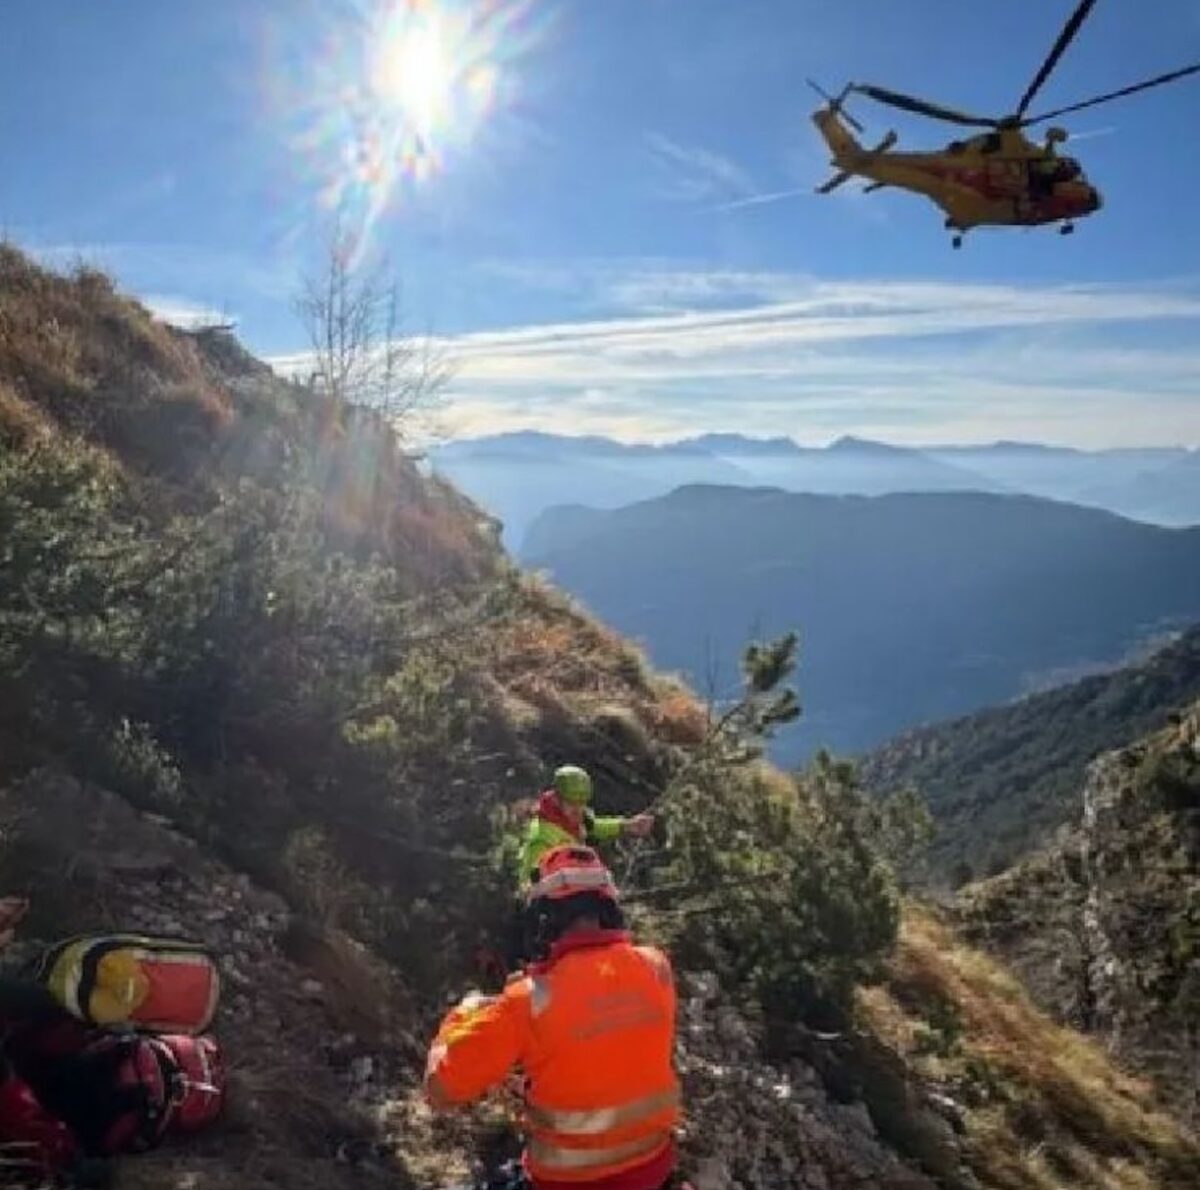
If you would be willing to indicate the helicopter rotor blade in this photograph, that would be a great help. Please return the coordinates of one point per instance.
(836, 105)
(1111, 95)
(1069, 30)
(921, 107)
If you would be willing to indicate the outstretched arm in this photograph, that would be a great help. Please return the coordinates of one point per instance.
(478, 1043)
(604, 830)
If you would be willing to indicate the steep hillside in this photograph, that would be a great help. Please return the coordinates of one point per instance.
(1104, 927)
(272, 629)
(912, 608)
(262, 683)
(1001, 782)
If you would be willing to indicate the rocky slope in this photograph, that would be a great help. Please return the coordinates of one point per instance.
(326, 1042)
(1001, 782)
(1104, 927)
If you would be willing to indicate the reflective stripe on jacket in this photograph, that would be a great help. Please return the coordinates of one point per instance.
(593, 1030)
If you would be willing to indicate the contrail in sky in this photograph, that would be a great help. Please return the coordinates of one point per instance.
(757, 200)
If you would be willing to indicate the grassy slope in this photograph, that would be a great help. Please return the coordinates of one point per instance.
(1040, 1106)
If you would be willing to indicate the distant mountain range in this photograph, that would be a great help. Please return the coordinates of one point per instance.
(518, 476)
(1000, 782)
(911, 608)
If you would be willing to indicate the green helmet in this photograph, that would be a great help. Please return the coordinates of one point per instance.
(573, 784)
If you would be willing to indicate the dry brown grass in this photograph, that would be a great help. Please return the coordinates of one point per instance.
(564, 666)
(95, 363)
(20, 421)
(79, 358)
(678, 718)
(1047, 1108)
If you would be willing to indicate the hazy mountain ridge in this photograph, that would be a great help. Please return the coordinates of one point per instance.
(517, 476)
(911, 608)
(1168, 495)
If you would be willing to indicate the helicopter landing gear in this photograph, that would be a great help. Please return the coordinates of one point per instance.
(1066, 229)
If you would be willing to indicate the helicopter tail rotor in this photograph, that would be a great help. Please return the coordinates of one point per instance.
(836, 103)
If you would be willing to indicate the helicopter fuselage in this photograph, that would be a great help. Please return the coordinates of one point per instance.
(998, 178)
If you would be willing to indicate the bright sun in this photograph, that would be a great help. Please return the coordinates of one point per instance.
(415, 71)
(398, 97)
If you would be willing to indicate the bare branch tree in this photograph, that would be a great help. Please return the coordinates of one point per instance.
(362, 351)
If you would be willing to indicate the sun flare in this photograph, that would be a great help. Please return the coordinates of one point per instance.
(385, 104)
(415, 72)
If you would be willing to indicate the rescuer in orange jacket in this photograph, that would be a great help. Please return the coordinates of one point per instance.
(592, 1027)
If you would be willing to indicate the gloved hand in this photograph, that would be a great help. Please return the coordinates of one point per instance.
(639, 827)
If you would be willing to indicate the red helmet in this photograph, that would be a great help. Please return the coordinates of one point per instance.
(568, 871)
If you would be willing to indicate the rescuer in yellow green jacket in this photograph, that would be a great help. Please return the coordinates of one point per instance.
(563, 816)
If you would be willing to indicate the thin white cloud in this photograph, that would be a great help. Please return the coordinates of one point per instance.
(782, 353)
(689, 173)
(814, 314)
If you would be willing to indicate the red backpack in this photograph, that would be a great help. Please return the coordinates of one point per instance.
(144, 1087)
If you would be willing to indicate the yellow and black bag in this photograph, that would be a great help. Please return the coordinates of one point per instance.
(160, 985)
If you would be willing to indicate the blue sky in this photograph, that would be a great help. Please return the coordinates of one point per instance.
(588, 244)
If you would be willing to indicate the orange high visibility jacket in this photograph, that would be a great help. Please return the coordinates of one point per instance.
(593, 1030)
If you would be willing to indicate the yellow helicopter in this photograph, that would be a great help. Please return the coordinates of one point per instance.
(997, 178)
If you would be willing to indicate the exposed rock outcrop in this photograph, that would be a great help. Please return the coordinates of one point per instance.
(1105, 927)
